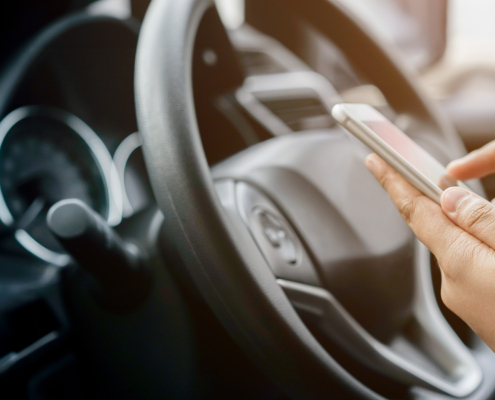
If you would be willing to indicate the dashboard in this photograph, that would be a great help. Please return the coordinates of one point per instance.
(68, 130)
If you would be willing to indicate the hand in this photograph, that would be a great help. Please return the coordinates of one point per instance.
(476, 164)
(460, 233)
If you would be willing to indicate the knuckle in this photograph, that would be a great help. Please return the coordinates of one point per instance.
(407, 208)
(477, 214)
(460, 255)
(385, 180)
(447, 297)
(457, 249)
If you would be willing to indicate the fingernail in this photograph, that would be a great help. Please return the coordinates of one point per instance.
(452, 197)
(446, 182)
(370, 163)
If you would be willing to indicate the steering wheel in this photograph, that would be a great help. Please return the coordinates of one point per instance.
(293, 238)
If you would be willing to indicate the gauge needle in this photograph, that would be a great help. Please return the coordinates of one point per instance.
(26, 219)
(30, 214)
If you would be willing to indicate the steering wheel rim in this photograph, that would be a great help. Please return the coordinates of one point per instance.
(228, 268)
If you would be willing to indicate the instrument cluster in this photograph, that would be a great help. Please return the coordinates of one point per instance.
(48, 154)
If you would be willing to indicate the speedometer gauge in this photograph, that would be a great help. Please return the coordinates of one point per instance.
(48, 155)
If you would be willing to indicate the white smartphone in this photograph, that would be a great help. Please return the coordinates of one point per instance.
(396, 148)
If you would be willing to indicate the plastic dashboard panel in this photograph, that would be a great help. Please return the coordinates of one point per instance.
(99, 33)
(245, 296)
(27, 283)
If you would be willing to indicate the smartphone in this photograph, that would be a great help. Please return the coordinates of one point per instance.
(403, 154)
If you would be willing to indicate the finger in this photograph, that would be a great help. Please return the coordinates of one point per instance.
(476, 164)
(455, 249)
(470, 212)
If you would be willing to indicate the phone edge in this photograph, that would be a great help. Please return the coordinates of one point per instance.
(388, 153)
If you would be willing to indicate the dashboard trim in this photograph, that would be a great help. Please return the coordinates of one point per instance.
(102, 156)
(281, 86)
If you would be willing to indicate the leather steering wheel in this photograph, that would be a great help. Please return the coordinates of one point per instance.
(298, 223)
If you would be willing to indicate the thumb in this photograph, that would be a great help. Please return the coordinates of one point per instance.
(470, 212)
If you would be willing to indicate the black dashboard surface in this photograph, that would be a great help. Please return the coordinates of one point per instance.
(70, 62)
(81, 64)
(79, 67)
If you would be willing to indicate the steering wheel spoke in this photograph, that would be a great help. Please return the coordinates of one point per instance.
(296, 223)
(376, 301)
(426, 353)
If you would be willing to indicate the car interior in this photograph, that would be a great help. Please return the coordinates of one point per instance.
(182, 218)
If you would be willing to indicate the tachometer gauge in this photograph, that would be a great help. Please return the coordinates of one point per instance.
(47, 155)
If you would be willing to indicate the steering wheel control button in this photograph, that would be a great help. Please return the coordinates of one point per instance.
(122, 282)
(271, 232)
(275, 236)
(278, 236)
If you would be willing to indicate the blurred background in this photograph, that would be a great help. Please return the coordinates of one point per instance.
(280, 79)
(450, 44)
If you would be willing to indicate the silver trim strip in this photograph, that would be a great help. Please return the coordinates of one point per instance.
(438, 341)
(120, 159)
(10, 359)
(102, 156)
(283, 86)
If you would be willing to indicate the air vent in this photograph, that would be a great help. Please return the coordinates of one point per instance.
(300, 113)
(289, 102)
(26, 330)
(259, 63)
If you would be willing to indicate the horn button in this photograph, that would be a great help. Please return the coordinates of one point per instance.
(304, 187)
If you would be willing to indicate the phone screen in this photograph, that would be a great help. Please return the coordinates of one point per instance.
(411, 152)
